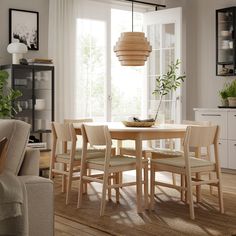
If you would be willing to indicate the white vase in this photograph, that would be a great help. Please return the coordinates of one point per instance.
(232, 101)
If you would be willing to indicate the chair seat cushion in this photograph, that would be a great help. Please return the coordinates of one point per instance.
(114, 161)
(167, 152)
(91, 153)
(180, 162)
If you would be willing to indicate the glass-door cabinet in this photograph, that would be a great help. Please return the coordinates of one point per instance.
(225, 42)
(36, 105)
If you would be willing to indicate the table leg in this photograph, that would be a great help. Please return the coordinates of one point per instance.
(138, 146)
(119, 145)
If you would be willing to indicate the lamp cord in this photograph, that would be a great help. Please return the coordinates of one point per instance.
(132, 16)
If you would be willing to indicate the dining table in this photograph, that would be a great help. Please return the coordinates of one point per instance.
(120, 132)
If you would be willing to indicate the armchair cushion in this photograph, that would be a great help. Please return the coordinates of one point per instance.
(17, 133)
(30, 165)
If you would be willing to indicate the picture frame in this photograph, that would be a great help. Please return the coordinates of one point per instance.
(24, 28)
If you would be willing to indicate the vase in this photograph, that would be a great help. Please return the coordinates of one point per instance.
(224, 102)
(232, 101)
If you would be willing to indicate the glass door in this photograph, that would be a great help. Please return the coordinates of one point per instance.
(164, 33)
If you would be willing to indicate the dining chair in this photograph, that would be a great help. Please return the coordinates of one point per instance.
(65, 159)
(186, 165)
(99, 135)
(165, 152)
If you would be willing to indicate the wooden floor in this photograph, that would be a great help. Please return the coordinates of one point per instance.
(65, 227)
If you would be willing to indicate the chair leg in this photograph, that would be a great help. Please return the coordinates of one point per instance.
(109, 183)
(83, 171)
(174, 179)
(146, 185)
(211, 187)
(104, 190)
(64, 180)
(117, 189)
(120, 178)
(190, 197)
(220, 193)
(69, 182)
(198, 189)
(152, 187)
(182, 192)
(186, 192)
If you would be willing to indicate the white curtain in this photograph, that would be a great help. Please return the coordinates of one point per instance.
(62, 44)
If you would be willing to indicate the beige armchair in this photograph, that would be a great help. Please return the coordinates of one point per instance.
(36, 216)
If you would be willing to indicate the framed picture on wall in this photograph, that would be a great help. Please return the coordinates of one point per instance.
(24, 28)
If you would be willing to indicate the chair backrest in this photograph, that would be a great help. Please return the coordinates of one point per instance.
(198, 137)
(201, 136)
(63, 133)
(194, 122)
(77, 121)
(97, 135)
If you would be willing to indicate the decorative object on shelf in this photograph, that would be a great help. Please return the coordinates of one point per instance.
(132, 48)
(7, 96)
(231, 93)
(17, 50)
(224, 96)
(168, 82)
(24, 28)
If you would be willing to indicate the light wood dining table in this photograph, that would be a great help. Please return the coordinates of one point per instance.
(120, 132)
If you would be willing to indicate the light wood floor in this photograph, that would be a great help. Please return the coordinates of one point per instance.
(65, 227)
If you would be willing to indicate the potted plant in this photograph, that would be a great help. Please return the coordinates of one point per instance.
(7, 97)
(232, 94)
(168, 82)
(224, 96)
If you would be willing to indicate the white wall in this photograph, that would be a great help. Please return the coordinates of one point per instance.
(32, 5)
(202, 83)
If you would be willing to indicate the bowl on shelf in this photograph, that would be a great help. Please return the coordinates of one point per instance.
(39, 104)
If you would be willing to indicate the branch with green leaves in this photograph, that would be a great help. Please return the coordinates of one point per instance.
(7, 97)
(168, 82)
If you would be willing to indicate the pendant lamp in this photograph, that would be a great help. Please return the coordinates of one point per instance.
(132, 48)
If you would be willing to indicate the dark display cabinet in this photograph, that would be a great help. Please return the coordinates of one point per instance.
(225, 42)
(36, 105)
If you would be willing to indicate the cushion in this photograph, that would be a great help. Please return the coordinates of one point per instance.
(91, 153)
(17, 133)
(180, 162)
(114, 161)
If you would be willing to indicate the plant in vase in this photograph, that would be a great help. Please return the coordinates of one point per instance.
(224, 95)
(231, 92)
(168, 82)
(7, 97)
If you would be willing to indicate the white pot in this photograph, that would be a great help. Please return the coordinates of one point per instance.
(232, 101)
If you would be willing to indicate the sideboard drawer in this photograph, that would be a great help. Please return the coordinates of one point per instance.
(232, 154)
(218, 118)
(232, 125)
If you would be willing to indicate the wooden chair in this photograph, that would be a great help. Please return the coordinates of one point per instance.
(3, 151)
(196, 137)
(68, 158)
(100, 136)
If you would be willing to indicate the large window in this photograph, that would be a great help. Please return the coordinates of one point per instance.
(127, 82)
(91, 68)
(108, 91)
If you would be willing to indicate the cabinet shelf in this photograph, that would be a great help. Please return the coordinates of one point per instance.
(225, 42)
(34, 87)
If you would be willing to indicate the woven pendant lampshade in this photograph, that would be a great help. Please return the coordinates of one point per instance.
(132, 49)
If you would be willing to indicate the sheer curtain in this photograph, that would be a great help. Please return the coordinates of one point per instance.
(62, 44)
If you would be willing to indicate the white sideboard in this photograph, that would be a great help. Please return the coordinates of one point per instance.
(226, 119)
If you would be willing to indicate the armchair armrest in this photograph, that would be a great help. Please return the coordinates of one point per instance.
(30, 165)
